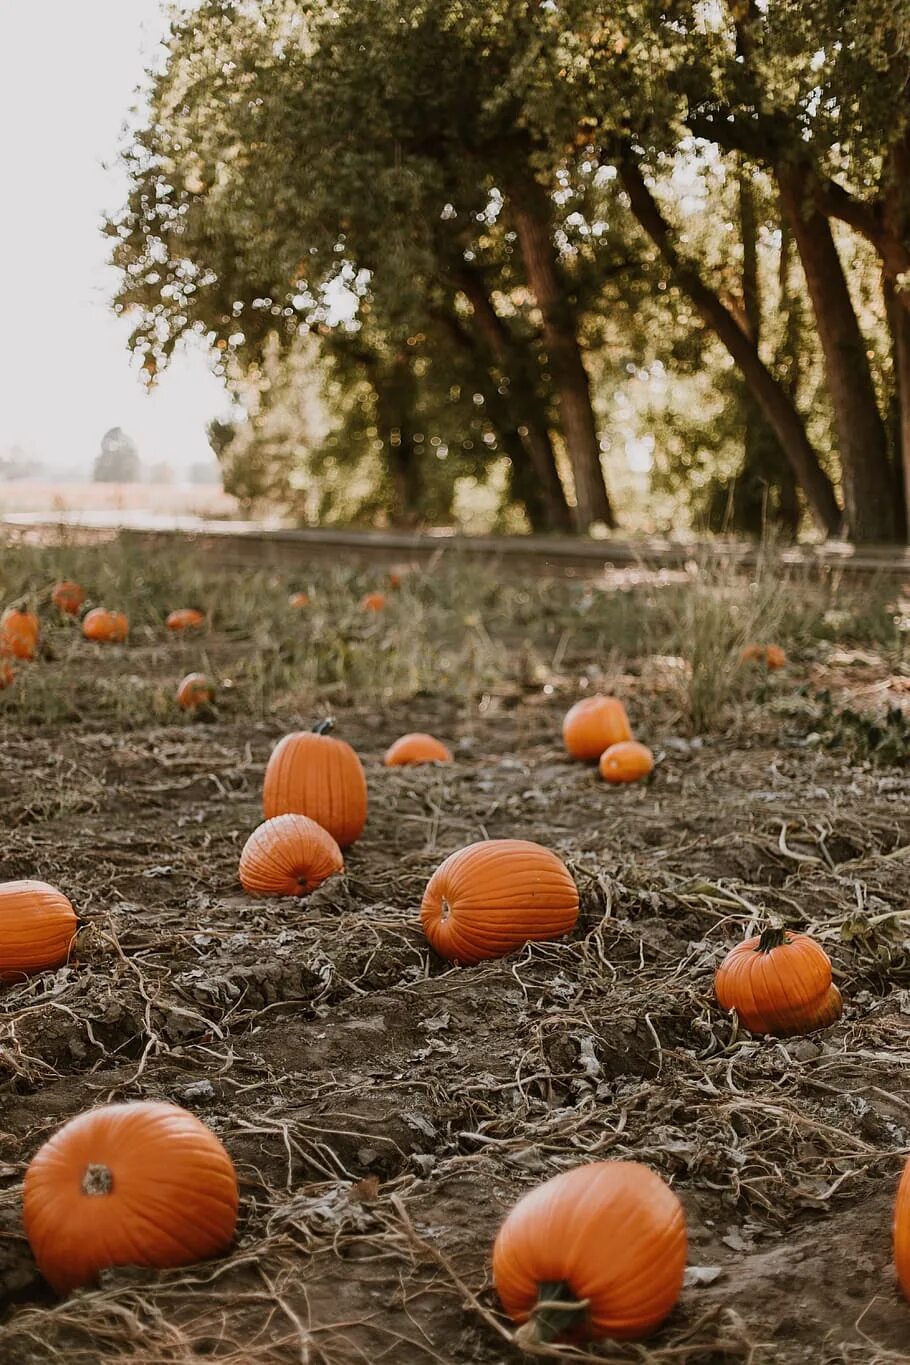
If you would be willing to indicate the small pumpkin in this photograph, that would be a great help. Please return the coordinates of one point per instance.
(779, 983)
(492, 897)
(299, 599)
(312, 773)
(416, 748)
(374, 601)
(19, 633)
(144, 1184)
(593, 725)
(902, 1230)
(626, 762)
(288, 855)
(185, 618)
(598, 1251)
(37, 928)
(772, 656)
(105, 627)
(7, 676)
(68, 597)
(195, 691)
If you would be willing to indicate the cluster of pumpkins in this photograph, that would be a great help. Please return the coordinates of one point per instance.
(598, 1251)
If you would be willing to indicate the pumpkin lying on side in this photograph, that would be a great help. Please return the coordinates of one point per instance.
(772, 656)
(311, 773)
(288, 855)
(7, 676)
(19, 633)
(105, 627)
(593, 725)
(128, 1184)
(490, 898)
(779, 983)
(68, 597)
(902, 1230)
(37, 928)
(299, 599)
(195, 691)
(626, 762)
(416, 748)
(185, 618)
(374, 601)
(598, 1251)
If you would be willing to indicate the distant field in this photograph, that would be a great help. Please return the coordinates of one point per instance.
(26, 495)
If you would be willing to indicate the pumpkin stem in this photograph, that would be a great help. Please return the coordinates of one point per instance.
(324, 727)
(775, 936)
(97, 1179)
(556, 1312)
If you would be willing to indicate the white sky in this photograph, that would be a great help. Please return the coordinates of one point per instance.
(68, 72)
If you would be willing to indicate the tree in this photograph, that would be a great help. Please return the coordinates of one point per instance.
(118, 460)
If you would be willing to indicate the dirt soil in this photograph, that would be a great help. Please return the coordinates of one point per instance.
(384, 1111)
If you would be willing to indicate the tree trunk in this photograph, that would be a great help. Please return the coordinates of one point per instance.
(868, 491)
(394, 417)
(899, 320)
(779, 410)
(532, 216)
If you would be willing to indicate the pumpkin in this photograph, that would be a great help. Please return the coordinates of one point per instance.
(312, 773)
(374, 601)
(490, 898)
(299, 599)
(598, 1251)
(37, 928)
(772, 656)
(902, 1231)
(289, 855)
(106, 627)
(194, 691)
(626, 762)
(19, 632)
(416, 748)
(143, 1184)
(186, 618)
(68, 597)
(593, 724)
(779, 983)
(7, 676)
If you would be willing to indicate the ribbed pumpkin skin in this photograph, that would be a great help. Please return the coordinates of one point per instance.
(782, 991)
(626, 762)
(106, 627)
(416, 748)
(173, 1198)
(288, 856)
(613, 1232)
(68, 597)
(19, 632)
(318, 776)
(490, 898)
(195, 690)
(37, 927)
(902, 1230)
(593, 724)
(186, 618)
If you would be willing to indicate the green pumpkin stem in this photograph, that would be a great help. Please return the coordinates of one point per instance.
(556, 1313)
(775, 936)
(324, 727)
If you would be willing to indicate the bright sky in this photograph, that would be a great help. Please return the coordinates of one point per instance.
(68, 72)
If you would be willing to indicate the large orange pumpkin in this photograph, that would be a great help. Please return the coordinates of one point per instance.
(593, 724)
(106, 627)
(490, 898)
(416, 748)
(312, 773)
(19, 632)
(626, 762)
(68, 597)
(604, 1244)
(186, 618)
(37, 928)
(143, 1184)
(289, 855)
(902, 1231)
(779, 983)
(194, 691)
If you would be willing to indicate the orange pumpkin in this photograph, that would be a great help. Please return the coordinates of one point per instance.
(374, 601)
(490, 898)
(593, 724)
(105, 627)
(299, 599)
(416, 748)
(902, 1231)
(311, 773)
(37, 928)
(626, 762)
(186, 618)
(779, 983)
(68, 597)
(598, 1251)
(143, 1184)
(195, 691)
(7, 676)
(289, 855)
(19, 632)
(772, 656)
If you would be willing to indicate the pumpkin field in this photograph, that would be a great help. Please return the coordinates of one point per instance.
(384, 1108)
